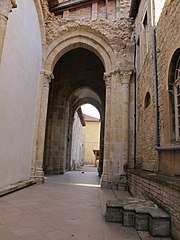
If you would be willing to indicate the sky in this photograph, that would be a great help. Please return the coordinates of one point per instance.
(90, 110)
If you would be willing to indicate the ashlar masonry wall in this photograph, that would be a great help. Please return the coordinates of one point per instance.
(106, 31)
(165, 191)
(167, 41)
(160, 180)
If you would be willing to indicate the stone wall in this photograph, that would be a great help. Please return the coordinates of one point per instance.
(119, 37)
(117, 32)
(78, 142)
(165, 191)
(146, 153)
(108, 33)
(167, 42)
(19, 80)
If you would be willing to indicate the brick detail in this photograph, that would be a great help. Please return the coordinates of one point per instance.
(163, 195)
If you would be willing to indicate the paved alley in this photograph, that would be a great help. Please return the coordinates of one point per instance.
(65, 207)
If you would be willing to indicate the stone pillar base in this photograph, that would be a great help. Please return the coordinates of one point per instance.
(118, 183)
(39, 176)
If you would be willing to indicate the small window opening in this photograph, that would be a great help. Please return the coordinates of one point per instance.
(147, 100)
(145, 25)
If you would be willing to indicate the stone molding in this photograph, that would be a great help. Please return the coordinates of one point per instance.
(107, 79)
(47, 77)
(125, 77)
(6, 8)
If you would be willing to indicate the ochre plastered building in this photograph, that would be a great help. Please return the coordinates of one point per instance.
(120, 56)
(92, 137)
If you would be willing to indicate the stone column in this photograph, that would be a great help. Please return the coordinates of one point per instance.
(46, 78)
(125, 84)
(101, 154)
(5, 8)
(106, 162)
(116, 129)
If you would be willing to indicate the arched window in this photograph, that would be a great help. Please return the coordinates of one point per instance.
(174, 91)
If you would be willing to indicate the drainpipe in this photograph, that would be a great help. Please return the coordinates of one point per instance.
(157, 142)
(158, 147)
(135, 94)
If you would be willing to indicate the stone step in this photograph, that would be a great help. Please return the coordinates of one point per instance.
(140, 213)
(159, 223)
(114, 211)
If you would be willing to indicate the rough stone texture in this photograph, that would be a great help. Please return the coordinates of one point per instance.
(159, 223)
(128, 218)
(167, 42)
(141, 222)
(117, 33)
(146, 153)
(148, 158)
(140, 213)
(164, 192)
(114, 211)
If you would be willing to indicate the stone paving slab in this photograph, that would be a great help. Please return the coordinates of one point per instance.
(65, 207)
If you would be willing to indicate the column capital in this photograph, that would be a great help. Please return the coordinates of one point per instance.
(47, 77)
(107, 79)
(126, 76)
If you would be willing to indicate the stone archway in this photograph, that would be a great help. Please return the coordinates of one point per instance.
(85, 39)
(90, 97)
(74, 80)
(118, 85)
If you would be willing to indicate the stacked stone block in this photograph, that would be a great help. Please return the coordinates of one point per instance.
(140, 213)
(161, 189)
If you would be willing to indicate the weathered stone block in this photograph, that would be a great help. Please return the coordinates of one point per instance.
(129, 214)
(159, 223)
(142, 219)
(114, 211)
(121, 187)
(106, 184)
(128, 218)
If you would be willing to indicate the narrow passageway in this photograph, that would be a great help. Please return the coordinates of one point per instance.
(65, 207)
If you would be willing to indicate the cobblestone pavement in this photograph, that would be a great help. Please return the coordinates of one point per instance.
(65, 207)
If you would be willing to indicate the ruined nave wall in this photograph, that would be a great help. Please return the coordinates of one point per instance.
(19, 74)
